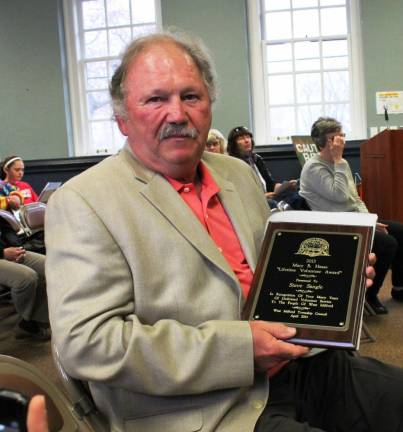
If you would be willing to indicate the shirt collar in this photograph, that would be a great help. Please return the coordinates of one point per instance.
(207, 181)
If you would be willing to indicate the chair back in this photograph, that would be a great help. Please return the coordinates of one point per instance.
(33, 215)
(20, 376)
(11, 220)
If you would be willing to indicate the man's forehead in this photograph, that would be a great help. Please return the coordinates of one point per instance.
(160, 52)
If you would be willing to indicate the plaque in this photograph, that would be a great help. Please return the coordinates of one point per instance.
(311, 276)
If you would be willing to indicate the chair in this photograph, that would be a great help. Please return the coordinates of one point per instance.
(18, 375)
(27, 220)
(33, 216)
(11, 220)
(83, 404)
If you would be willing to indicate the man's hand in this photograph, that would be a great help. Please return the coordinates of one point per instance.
(336, 147)
(382, 227)
(15, 254)
(269, 346)
(37, 420)
(370, 271)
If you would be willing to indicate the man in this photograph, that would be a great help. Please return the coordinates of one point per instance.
(23, 273)
(146, 287)
(327, 184)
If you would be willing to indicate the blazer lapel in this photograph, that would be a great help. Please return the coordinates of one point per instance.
(171, 206)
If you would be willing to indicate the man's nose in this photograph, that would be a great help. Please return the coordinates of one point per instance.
(177, 111)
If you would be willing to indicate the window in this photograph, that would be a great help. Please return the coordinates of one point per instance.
(305, 54)
(97, 31)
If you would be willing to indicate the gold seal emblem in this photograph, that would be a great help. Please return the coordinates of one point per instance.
(313, 247)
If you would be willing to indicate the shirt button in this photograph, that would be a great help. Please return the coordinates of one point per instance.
(186, 189)
(257, 404)
(220, 249)
(206, 216)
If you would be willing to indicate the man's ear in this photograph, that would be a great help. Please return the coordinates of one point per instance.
(122, 125)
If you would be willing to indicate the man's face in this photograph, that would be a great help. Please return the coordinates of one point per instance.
(164, 88)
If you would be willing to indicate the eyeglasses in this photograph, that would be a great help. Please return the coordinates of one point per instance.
(338, 134)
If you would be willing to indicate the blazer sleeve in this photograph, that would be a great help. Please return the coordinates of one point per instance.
(96, 327)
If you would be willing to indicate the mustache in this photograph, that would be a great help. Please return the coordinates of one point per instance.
(177, 130)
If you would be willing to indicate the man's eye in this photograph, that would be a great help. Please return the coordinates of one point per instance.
(190, 97)
(154, 99)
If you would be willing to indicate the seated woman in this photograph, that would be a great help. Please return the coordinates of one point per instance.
(23, 272)
(12, 171)
(215, 142)
(241, 145)
(327, 184)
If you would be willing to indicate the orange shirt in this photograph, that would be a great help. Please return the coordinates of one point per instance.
(207, 207)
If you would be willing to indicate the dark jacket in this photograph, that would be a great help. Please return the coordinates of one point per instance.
(264, 172)
(8, 237)
(256, 159)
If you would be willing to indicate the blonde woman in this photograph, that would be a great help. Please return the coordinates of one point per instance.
(216, 142)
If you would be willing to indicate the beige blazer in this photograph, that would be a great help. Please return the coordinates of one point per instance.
(143, 305)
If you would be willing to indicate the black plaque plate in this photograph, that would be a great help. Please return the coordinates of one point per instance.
(312, 277)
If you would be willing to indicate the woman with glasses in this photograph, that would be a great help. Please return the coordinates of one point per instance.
(327, 184)
(215, 142)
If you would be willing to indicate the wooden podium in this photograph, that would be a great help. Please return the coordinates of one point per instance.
(381, 160)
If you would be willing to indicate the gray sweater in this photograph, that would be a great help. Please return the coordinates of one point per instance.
(329, 187)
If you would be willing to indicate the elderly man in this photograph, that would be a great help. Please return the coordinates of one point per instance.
(146, 288)
(327, 184)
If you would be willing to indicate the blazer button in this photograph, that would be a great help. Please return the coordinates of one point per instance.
(257, 404)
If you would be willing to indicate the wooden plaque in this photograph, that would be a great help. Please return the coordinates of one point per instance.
(312, 276)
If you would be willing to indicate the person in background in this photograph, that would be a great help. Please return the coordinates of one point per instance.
(23, 272)
(12, 172)
(216, 142)
(327, 184)
(241, 146)
(146, 303)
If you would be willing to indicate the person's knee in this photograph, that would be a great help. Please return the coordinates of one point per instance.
(28, 280)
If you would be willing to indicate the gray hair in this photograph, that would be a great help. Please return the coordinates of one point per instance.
(195, 48)
(322, 127)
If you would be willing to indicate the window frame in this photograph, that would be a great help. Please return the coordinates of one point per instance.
(258, 72)
(74, 46)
